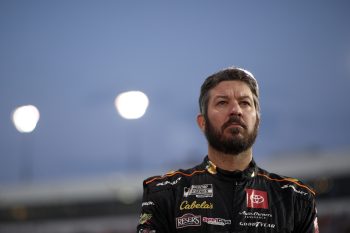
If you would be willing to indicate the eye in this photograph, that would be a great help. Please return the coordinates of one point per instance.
(221, 102)
(245, 103)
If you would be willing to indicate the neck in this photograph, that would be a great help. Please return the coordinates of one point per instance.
(230, 162)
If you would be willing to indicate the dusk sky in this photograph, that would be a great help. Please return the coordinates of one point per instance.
(72, 58)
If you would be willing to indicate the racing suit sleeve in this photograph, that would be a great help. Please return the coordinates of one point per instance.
(306, 215)
(155, 210)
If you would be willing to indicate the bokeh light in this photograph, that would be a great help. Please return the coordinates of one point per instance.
(25, 118)
(131, 104)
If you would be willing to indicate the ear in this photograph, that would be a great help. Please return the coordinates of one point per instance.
(201, 122)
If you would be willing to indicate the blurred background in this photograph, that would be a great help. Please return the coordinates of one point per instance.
(79, 166)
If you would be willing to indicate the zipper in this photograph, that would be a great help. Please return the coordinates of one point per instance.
(234, 219)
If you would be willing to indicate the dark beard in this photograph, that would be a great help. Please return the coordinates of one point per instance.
(233, 145)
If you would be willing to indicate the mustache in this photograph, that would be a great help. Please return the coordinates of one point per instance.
(234, 120)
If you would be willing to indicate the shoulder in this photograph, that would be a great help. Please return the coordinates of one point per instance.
(288, 185)
(172, 179)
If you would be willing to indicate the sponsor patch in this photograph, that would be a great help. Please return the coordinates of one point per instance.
(146, 231)
(257, 224)
(169, 183)
(294, 189)
(144, 218)
(255, 215)
(200, 191)
(185, 205)
(257, 199)
(188, 220)
(148, 203)
(216, 221)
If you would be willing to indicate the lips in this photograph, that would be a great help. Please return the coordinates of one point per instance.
(234, 121)
(235, 124)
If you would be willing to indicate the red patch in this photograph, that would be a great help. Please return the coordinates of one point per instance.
(257, 199)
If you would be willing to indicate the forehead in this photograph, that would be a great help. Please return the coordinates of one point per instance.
(234, 88)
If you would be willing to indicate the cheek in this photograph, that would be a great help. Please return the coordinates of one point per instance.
(216, 119)
(252, 119)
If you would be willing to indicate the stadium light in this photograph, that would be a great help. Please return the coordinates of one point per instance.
(25, 118)
(131, 104)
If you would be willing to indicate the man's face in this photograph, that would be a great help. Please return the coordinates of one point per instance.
(231, 124)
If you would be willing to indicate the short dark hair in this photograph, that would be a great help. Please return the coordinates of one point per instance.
(228, 74)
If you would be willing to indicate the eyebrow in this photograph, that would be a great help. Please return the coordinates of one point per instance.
(226, 97)
(220, 96)
(246, 97)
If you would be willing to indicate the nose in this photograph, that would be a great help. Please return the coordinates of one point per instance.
(235, 109)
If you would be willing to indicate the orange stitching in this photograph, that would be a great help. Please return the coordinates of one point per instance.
(172, 174)
(288, 179)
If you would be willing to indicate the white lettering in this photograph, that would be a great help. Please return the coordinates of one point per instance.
(188, 220)
(216, 221)
(294, 189)
(200, 191)
(168, 182)
(255, 215)
(147, 203)
(257, 224)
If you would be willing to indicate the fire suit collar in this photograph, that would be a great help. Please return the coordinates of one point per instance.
(248, 173)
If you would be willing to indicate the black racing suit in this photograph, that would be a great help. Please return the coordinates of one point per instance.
(208, 199)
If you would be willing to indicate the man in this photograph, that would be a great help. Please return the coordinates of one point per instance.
(227, 192)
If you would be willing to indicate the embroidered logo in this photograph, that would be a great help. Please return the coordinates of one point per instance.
(255, 215)
(194, 205)
(147, 231)
(188, 220)
(200, 191)
(257, 224)
(257, 199)
(148, 203)
(216, 221)
(168, 182)
(144, 218)
(294, 189)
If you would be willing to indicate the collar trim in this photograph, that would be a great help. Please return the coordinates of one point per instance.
(249, 172)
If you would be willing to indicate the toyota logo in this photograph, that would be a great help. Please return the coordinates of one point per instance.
(257, 199)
